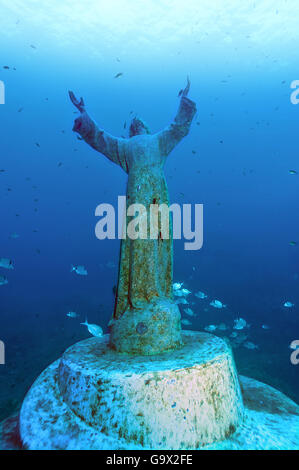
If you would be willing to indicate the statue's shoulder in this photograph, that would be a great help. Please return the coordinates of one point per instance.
(142, 138)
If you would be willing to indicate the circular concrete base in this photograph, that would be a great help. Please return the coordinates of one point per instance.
(109, 401)
(179, 399)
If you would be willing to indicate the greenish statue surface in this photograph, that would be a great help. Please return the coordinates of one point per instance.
(145, 319)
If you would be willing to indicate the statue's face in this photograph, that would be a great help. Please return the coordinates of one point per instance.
(138, 127)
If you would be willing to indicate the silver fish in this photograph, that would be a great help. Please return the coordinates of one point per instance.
(6, 263)
(79, 270)
(3, 280)
(94, 330)
(72, 315)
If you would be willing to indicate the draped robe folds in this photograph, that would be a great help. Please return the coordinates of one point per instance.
(145, 265)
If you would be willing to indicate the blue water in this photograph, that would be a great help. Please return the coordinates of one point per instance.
(241, 64)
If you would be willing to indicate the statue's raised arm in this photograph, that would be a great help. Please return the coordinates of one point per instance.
(97, 138)
(179, 128)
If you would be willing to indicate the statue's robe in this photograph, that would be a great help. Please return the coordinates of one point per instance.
(145, 265)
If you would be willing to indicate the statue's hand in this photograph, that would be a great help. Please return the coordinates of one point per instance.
(186, 90)
(78, 124)
(79, 104)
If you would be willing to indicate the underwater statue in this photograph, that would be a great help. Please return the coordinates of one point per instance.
(146, 320)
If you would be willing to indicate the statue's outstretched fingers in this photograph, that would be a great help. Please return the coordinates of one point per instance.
(186, 90)
(79, 104)
(72, 97)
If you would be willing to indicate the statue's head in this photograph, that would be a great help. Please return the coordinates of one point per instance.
(138, 127)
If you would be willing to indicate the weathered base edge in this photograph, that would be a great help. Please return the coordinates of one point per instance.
(271, 423)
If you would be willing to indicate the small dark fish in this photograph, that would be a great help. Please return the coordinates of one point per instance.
(293, 172)
(118, 75)
(292, 243)
(32, 46)
(180, 92)
(20, 110)
(79, 138)
(114, 290)
(125, 124)
(59, 164)
(37, 144)
(38, 251)
(2, 171)
(6, 67)
(194, 152)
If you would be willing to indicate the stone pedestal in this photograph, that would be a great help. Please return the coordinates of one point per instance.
(183, 399)
(96, 398)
